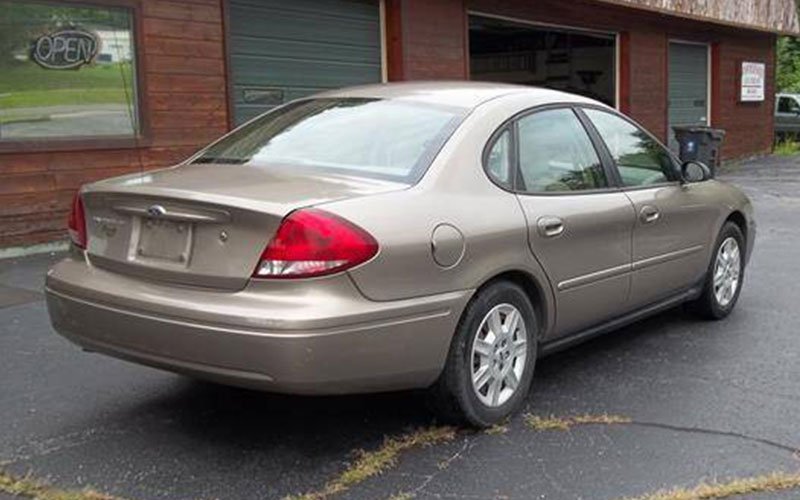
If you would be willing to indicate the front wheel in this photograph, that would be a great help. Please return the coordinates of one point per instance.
(490, 364)
(725, 275)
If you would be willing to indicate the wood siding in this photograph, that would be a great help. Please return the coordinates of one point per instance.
(185, 90)
(768, 15)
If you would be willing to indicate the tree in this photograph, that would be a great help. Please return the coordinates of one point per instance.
(788, 72)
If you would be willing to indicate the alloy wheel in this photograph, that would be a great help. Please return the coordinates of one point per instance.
(727, 271)
(498, 356)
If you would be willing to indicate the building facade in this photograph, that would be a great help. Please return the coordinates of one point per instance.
(96, 88)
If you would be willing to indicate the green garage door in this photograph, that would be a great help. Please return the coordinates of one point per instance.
(284, 49)
(688, 87)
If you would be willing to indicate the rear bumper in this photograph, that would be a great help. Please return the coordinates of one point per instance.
(307, 337)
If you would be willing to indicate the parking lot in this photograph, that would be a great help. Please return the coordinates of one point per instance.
(668, 402)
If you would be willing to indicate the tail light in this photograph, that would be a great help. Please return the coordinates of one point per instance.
(76, 223)
(312, 243)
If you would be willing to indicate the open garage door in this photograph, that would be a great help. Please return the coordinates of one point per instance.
(280, 50)
(575, 61)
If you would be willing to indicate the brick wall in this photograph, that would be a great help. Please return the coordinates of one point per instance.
(749, 126)
(183, 60)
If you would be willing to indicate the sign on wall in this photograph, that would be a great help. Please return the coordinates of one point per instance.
(65, 49)
(753, 81)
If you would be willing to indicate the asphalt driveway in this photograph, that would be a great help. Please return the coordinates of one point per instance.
(689, 402)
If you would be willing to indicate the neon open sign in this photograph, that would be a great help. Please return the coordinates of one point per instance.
(65, 49)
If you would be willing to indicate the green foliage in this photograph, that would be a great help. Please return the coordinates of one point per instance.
(788, 72)
(787, 147)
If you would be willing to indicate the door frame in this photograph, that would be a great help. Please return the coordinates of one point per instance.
(226, 46)
(709, 77)
(610, 34)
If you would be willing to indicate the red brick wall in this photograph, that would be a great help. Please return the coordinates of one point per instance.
(749, 126)
(434, 40)
(183, 60)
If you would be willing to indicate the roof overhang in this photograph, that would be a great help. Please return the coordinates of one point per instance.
(774, 16)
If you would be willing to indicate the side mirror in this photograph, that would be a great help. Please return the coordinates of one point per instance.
(695, 171)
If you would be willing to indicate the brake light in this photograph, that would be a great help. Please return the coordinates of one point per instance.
(313, 242)
(76, 223)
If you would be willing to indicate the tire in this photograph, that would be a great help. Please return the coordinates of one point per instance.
(711, 304)
(454, 396)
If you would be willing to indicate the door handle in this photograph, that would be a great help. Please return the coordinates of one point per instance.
(550, 227)
(649, 214)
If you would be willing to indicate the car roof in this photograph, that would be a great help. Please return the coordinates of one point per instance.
(465, 94)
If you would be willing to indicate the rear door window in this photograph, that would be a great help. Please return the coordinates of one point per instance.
(556, 154)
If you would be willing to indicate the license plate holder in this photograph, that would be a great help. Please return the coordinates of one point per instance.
(164, 241)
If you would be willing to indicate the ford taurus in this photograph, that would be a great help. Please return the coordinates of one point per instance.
(415, 235)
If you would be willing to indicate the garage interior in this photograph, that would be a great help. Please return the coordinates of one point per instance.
(575, 61)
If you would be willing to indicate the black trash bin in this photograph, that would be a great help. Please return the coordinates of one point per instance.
(701, 144)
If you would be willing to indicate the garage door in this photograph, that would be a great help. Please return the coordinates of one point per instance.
(283, 50)
(688, 86)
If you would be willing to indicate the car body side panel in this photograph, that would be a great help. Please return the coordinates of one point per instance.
(673, 252)
(589, 262)
(494, 241)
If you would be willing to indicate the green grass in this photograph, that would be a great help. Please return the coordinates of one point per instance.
(59, 97)
(787, 147)
(26, 85)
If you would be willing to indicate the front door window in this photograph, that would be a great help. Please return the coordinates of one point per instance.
(640, 160)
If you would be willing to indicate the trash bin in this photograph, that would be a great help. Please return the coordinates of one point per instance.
(701, 144)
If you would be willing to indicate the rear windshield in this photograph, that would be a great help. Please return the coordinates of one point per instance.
(388, 139)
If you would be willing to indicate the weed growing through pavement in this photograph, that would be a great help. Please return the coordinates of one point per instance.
(373, 463)
(566, 423)
(31, 487)
(776, 481)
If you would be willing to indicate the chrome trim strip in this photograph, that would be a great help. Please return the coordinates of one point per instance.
(613, 272)
(666, 257)
(596, 276)
(176, 214)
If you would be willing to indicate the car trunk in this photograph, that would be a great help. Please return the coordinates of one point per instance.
(203, 225)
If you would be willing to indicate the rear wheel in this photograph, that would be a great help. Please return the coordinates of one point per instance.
(490, 364)
(725, 275)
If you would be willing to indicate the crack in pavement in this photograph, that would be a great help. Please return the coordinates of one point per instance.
(459, 454)
(563, 424)
(791, 449)
(44, 447)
